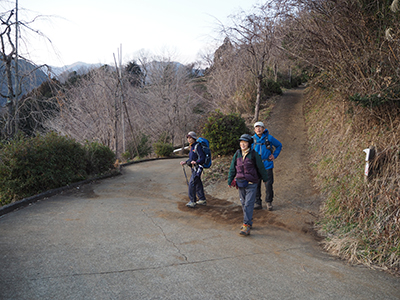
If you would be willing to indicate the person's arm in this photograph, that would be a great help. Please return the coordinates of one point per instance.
(232, 170)
(278, 146)
(188, 162)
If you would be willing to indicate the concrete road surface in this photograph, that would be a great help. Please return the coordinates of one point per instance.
(131, 237)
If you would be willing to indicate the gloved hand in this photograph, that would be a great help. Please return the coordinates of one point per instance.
(199, 169)
(233, 184)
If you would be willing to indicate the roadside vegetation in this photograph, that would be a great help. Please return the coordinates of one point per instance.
(346, 51)
(360, 217)
(354, 104)
(30, 166)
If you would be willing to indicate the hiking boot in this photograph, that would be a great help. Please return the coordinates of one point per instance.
(257, 206)
(269, 206)
(191, 204)
(245, 230)
(201, 202)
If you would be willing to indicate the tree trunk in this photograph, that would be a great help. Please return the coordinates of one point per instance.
(258, 99)
(10, 99)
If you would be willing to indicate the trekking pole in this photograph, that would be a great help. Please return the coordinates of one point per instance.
(183, 168)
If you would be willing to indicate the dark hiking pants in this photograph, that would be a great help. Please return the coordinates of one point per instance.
(196, 186)
(269, 192)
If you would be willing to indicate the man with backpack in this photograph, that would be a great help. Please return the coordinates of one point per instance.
(195, 161)
(264, 144)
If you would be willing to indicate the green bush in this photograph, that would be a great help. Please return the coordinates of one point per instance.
(223, 132)
(29, 166)
(33, 165)
(99, 158)
(141, 150)
(163, 147)
(126, 155)
(294, 81)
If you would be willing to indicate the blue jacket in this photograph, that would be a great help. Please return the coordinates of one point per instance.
(261, 148)
(200, 158)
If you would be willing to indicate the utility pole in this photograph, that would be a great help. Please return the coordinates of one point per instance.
(116, 116)
(122, 101)
(16, 81)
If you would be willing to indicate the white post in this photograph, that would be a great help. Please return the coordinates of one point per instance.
(366, 170)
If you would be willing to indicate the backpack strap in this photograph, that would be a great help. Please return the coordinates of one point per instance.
(197, 153)
(267, 144)
(266, 141)
(195, 150)
(237, 152)
(235, 156)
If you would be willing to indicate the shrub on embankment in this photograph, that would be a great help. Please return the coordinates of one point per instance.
(29, 166)
(360, 216)
(223, 132)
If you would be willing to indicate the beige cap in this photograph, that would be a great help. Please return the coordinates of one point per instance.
(192, 134)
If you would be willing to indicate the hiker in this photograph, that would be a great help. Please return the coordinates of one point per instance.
(264, 143)
(195, 161)
(245, 172)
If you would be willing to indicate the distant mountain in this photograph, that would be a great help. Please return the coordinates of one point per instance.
(62, 73)
(30, 76)
(79, 67)
(160, 65)
(33, 79)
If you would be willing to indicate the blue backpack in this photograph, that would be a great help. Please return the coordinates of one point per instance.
(205, 145)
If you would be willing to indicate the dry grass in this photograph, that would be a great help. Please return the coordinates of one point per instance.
(218, 171)
(361, 217)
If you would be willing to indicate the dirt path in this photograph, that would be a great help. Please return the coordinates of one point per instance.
(296, 202)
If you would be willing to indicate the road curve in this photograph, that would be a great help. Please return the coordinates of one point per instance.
(131, 237)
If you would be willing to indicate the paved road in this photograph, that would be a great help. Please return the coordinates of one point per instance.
(131, 237)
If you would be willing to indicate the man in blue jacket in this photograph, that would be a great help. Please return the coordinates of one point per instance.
(195, 161)
(264, 144)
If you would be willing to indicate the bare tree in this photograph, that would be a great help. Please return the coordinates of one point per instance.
(346, 42)
(87, 110)
(256, 37)
(223, 79)
(163, 101)
(171, 95)
(10, 30)
(7, 55)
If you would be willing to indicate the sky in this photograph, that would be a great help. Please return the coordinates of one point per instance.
(93, 31)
